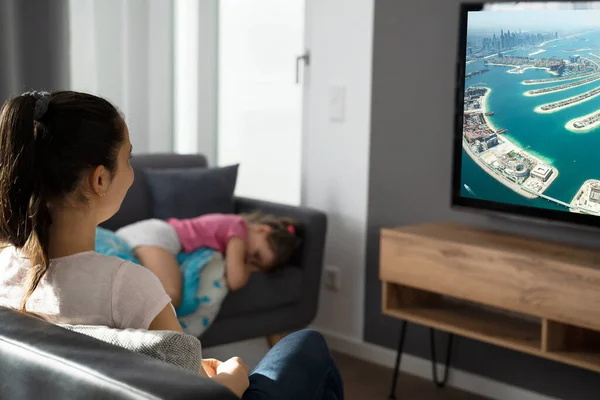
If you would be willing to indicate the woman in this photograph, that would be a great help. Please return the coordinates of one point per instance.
(65, 169)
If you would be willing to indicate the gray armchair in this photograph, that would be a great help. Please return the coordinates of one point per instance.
(281, 302)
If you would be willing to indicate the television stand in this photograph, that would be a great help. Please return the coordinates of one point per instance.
(533, 296)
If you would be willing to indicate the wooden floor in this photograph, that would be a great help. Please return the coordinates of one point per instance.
(363, 380)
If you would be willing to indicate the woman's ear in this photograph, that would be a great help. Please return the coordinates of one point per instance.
(99, 181)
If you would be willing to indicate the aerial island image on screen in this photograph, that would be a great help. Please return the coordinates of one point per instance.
(531, 123)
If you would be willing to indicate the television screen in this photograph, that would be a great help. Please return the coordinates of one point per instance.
(527, 135)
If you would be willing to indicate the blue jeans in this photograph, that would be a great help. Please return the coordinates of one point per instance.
(299, 367)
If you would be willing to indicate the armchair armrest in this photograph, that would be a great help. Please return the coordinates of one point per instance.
(40, 360)
(311, 227)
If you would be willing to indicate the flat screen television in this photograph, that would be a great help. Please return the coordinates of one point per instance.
(527, 121)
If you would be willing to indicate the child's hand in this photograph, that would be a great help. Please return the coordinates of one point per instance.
(252, 268)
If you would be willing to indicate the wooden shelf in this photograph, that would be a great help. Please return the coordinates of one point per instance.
(528, 295)
(571, 344)
(580, 359)
(466, 320)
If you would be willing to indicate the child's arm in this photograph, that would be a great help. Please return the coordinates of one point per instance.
(236, 273)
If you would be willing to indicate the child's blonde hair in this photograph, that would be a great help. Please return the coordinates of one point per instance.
(282, 238)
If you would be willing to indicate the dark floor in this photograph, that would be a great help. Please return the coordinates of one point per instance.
(365, 381)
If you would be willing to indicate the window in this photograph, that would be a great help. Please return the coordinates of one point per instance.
(259, 102)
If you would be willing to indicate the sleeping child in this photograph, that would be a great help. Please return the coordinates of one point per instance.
(249, 243)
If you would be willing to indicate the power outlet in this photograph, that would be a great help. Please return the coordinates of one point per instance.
(332, 278)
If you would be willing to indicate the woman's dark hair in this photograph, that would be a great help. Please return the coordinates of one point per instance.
(282, 238)
(43, 156)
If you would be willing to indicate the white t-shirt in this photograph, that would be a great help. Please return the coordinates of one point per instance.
(85, 289)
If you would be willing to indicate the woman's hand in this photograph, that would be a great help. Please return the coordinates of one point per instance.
(210, 366)
(232, 374)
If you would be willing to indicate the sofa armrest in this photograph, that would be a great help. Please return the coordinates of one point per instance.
(40, 360)
(311, 227)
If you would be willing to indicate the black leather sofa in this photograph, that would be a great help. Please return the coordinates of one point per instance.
(42, 361)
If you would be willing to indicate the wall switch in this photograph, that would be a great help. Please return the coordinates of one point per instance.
(332, 278)
(337, 103)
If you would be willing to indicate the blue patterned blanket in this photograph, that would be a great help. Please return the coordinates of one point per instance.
(203, 280)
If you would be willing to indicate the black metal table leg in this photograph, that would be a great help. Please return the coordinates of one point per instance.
(399, 352)
(440, 383)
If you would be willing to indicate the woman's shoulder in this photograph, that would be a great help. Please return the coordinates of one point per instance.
(136, 294)
(122, 269)
(91, 260)
(100, 266)
(128, 275)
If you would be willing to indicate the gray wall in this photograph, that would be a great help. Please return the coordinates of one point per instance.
(411, 154)
(34, 46)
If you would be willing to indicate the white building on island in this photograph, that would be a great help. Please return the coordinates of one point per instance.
(542, 172)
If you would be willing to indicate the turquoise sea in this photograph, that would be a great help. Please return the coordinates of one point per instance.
(576, 155)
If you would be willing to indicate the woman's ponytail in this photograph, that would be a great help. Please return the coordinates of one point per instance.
(36, 246)
(24, 214)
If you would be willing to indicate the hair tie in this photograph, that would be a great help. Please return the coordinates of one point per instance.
(291, 229)
(42, 100)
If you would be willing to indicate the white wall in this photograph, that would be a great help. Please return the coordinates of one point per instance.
(336, 154)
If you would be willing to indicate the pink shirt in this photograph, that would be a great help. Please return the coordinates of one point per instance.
(210, 230)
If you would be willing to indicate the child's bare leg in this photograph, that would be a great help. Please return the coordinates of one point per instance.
(164, 265)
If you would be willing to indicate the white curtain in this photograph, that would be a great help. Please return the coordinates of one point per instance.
(195, 77)
(122, 50)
